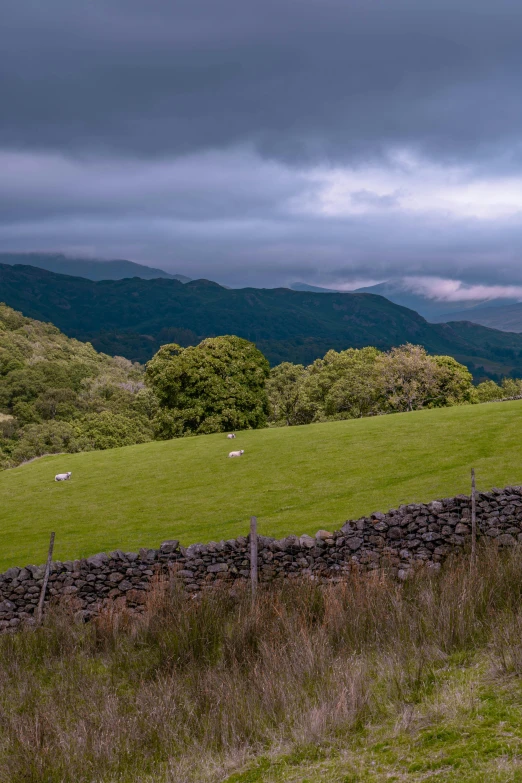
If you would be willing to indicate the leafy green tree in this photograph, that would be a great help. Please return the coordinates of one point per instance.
(511, 387)
(488, 391)
(411, 379)
(25, 412)
(288, 404)
(169, 424)
(107, 430)
(49, 437)
(364, 382)
(407, 377)
(211, 387)
(10, 360)
(454, 383)
(145, 403)
(9, 428)
(57, 404)
(21, 385)
(344, 384)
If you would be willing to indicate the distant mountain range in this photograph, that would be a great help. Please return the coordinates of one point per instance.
(313, 289)
(434, 310)
(507, 318)
(133, 317)
(90, 268)
(503, 314)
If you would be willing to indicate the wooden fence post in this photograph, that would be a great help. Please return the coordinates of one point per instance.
(39, 611)
(253, 555)
(473, 519)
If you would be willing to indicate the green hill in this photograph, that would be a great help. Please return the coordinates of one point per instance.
(296, 480)
(134, 317)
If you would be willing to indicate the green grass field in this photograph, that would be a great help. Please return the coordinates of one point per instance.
(295, 480)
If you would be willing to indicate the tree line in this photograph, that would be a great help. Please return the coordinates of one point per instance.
(60, 395)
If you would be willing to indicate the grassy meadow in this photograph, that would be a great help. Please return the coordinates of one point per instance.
(295, 479)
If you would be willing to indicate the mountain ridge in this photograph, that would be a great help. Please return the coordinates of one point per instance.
(91, 268)
(434, 310)
(507, 318)
(133, 317)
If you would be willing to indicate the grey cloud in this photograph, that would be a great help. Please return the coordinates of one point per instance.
(236, 218)
(186, 133)
(312, 79)
(276, 250)
(213, 186)
(371, 199)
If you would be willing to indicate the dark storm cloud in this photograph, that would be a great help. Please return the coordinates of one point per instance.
(300, 78)
(263, 142)
(210, 186)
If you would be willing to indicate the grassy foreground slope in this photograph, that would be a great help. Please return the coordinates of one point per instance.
(296, 480)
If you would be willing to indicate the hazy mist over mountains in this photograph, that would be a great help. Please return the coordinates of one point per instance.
(90, 268)
(435, 309)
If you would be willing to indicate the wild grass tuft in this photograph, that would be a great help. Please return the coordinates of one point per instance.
(195, 688)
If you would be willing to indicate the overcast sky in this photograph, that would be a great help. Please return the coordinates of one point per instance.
(331, 141)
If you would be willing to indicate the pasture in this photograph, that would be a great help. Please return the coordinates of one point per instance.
(295, 479)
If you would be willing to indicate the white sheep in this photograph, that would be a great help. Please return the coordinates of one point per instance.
(63, 476)
(236, 453)
(231, 436)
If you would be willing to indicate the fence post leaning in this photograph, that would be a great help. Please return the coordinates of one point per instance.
(253, 555)
(473, 519)
(39, 611)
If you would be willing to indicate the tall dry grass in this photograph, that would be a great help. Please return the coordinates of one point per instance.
(195, 687)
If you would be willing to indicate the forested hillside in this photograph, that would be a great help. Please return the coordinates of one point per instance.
(59, 394)
(135, 317)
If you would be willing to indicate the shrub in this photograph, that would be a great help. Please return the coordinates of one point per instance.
(488, 391)
(50, 437)
(107, 430)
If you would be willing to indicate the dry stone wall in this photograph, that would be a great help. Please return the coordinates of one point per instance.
(401, 540)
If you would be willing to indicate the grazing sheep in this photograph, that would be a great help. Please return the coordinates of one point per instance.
(236, 453)
(63, 476)
(231, 436)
